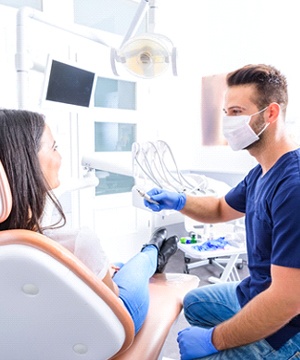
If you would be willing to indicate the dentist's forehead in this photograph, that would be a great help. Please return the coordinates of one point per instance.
(241, 96)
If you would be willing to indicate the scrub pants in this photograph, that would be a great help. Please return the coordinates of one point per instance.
(133, 282)
(210, 305)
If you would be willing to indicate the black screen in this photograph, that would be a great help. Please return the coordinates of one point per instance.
(69, 84)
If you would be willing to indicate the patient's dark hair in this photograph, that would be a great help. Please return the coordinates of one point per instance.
(20, 140)
(270, 84)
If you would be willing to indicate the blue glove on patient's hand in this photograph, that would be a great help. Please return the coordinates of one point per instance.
(195, 342)
(167, 200)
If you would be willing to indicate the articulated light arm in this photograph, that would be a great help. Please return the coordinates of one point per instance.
(116, 162)
(138, 17)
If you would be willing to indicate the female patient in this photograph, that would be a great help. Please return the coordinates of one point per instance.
(30, 158)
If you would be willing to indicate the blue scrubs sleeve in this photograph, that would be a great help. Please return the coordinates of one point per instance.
(236, 197)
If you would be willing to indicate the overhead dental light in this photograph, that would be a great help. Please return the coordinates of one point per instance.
(148, 55)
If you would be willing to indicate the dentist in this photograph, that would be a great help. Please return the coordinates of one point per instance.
(257, 318)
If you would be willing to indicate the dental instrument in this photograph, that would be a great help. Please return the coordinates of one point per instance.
(146, 196)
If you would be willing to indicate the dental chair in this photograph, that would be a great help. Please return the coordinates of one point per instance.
(52, 307)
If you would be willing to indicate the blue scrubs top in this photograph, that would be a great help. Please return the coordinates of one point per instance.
(271, 204)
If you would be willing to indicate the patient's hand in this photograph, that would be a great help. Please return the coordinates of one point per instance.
(108, 281)
(113, 269)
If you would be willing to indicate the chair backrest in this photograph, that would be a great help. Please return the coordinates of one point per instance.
(51, 305)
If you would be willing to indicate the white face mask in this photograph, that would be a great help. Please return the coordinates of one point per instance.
(238, 132)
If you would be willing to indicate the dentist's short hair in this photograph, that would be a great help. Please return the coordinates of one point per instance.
(270, 83)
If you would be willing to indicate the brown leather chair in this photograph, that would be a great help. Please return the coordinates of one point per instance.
(52, 307)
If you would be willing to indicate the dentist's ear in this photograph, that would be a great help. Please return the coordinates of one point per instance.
(273, 112)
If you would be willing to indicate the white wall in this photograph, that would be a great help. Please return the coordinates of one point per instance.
(217, 36)
(8, 94)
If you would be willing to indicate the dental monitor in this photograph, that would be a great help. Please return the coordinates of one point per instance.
(68, 84)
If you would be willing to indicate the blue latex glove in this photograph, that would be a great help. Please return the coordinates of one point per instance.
(167, 200)
(195, 342)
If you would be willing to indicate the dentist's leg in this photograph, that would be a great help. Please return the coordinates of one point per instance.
(209, 305)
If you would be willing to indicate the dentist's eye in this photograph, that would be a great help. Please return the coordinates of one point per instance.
(235, 112)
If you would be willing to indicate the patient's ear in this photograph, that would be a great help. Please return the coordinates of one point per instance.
(5, 195)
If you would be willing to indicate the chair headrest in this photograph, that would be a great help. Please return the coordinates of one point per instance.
(5, 195)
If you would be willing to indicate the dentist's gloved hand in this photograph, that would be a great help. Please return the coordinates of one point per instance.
(167, 200)
(195, 342)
